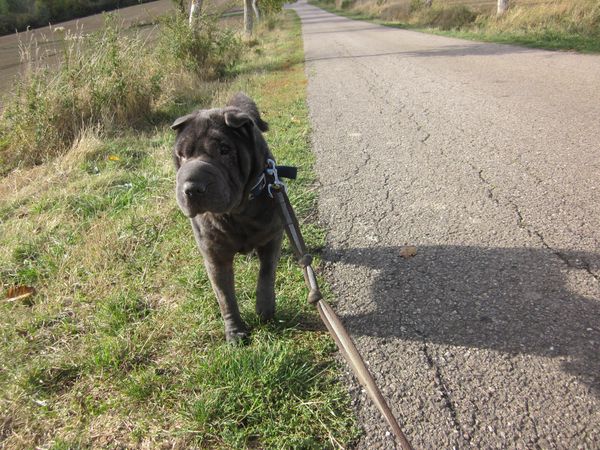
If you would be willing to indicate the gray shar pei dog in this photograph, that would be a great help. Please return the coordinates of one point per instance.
(220, 156)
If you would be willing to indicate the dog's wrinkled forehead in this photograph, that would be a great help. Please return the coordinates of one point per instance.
(200, 129)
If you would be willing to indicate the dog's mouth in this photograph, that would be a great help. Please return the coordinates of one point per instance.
(190, 211)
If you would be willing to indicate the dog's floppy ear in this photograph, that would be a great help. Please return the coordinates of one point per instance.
(180, 122)
(244, 103)
(235, 118)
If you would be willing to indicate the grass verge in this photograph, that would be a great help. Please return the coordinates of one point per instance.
(122, 346)
(552, 25)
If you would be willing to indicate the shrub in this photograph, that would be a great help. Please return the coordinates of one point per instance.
(397, 11)
(208, 50)
(444, 18)
(105, 80)
(108, 81)
(270, 7)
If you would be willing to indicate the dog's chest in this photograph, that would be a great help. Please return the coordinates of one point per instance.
(238, 235)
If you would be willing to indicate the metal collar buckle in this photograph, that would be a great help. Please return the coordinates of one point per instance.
(271, 170)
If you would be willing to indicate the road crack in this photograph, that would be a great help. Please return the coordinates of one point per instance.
(581, 264)
(464, 438)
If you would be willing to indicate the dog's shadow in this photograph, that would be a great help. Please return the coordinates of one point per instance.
(513, 300)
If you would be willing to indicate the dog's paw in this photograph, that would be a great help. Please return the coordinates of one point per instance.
(265, 313)
(237, 337)
(265, 305)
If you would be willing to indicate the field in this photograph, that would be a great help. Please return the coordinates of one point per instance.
(122, 343)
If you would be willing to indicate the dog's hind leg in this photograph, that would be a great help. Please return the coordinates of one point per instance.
(268, 255)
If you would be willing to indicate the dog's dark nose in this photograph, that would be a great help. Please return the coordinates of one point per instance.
(193, 189)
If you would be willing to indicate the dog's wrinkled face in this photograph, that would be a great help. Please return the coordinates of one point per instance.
(214, 158)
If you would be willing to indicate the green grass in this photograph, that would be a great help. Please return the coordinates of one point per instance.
(545, 39)
(553, 25)
(122, 346)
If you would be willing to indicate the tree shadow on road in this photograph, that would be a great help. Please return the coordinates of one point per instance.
(513, 300)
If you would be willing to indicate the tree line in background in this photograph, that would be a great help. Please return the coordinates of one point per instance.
(17, 15)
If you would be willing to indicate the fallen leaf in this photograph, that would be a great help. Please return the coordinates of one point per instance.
(19, 293)
(408, 251)
(114, 158)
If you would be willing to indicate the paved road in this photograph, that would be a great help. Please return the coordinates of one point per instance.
(49, 43)
(486, 158)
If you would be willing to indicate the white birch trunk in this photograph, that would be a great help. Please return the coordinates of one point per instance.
(256, 11)
(195, 11)
(502, 7)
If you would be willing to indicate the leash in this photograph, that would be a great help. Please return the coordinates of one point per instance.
(276, 190)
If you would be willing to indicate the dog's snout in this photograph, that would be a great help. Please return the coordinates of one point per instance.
(194, 189)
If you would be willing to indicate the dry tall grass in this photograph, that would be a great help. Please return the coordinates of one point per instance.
(559, 16)
(533, 17)
(105, 80)
(108, 81)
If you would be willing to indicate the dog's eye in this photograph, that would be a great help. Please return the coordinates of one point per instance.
(224, 149)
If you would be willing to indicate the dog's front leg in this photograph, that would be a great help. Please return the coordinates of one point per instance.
(222, 280)
(265, 289)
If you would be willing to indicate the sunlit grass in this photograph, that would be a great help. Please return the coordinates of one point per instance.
(122, 346)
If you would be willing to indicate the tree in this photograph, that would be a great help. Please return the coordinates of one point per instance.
(248, 19)
(195, 9)
(256, 10)
(502, 7)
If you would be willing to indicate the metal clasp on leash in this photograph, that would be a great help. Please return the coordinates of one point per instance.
(272, 171)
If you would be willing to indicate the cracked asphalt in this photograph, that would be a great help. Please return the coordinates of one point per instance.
(486, 158)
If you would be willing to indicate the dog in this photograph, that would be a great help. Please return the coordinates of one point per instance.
(220, 155)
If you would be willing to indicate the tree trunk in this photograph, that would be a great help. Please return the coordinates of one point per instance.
(248, 22)
(502, 6)
(256, 11)
(195, 11)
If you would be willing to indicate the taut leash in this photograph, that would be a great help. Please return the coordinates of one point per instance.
(276, 189)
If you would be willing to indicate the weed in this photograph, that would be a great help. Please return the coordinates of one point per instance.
(444, 18)
(105, 80)
(207, 50)
(270, 8)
